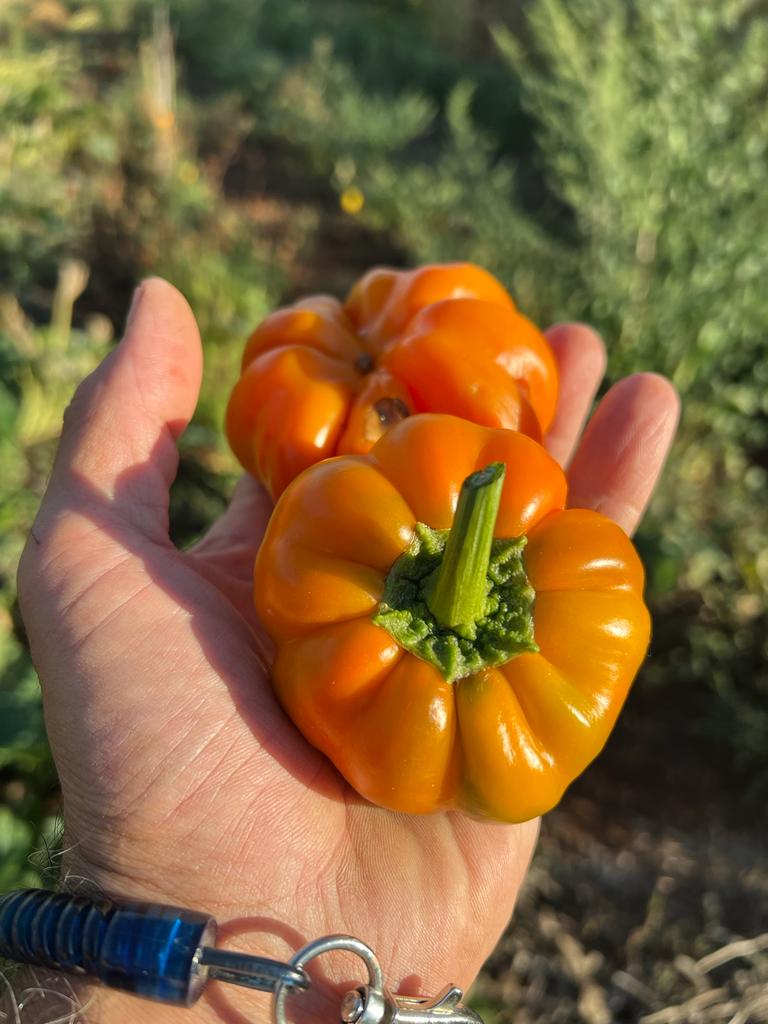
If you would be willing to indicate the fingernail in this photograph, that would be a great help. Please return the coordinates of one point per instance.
(134, 306)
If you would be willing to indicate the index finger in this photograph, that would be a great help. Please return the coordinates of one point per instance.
(581, 359)
(624, 447)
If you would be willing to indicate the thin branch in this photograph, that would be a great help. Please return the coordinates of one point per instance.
(742, 948)
(681, 1014)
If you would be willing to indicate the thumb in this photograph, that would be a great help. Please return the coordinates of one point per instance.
(118, 443)
(108, 495)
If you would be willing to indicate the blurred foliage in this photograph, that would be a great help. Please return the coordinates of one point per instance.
(102, 183)
(38, 370)
(606, 159)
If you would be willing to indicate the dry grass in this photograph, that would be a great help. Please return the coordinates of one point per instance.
(647, 903)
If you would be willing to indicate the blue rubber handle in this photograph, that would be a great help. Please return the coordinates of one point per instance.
(145, 948)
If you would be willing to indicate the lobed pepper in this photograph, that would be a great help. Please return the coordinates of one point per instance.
(322, 378)
(448, 633)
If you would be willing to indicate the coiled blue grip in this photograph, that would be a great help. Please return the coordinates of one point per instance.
(144, 948)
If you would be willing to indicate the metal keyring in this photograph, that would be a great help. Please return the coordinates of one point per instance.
(316, 948)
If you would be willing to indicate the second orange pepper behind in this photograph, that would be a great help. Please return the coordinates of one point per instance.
(322, 377)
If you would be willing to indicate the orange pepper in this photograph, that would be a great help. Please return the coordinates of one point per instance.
(448, 633)
(321, 378)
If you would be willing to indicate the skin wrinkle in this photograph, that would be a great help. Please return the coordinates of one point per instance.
(42, 561)
(232, 556)
(222, 582)
(231, 848)
(464, 864)
(199, 803)
(477, 892)
(102, 674)
(180, 743)
(127, 780)
(126, 762)
(194, 791)
(87, 456)
(620, 512)
(151, 515)
(178, 713)
(456, 876)
(108, 617)
(357, 869)
(242, 619)
(124, 730)
(100, 866)
(159, 624)
(258, 824)
(312, 887)
(236, 585)
(69, 606)
(221, 551)
(52, 547)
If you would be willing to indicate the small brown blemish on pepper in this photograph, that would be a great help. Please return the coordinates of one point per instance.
(391, 411)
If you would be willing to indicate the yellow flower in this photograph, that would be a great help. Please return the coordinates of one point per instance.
(352, 200)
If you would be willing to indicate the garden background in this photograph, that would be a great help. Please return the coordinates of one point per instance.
(608, 161)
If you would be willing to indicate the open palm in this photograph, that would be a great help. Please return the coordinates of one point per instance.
(182, 779)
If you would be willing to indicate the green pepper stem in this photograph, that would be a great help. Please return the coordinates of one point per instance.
(457, 598)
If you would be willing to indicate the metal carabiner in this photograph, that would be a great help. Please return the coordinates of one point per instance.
(327, 945)
(373, 1003)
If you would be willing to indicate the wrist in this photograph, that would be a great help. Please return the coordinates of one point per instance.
(99, 1004)
(105, 1006)
(41, 997)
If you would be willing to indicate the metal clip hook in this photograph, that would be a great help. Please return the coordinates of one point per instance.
(368, 1005)
(373, 1003)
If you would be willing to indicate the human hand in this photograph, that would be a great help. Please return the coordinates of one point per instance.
(182, 779)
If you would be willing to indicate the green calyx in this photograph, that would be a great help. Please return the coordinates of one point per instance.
(459, 598)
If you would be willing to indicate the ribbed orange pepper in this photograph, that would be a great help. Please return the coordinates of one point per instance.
(440, 673)
(320, 378)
